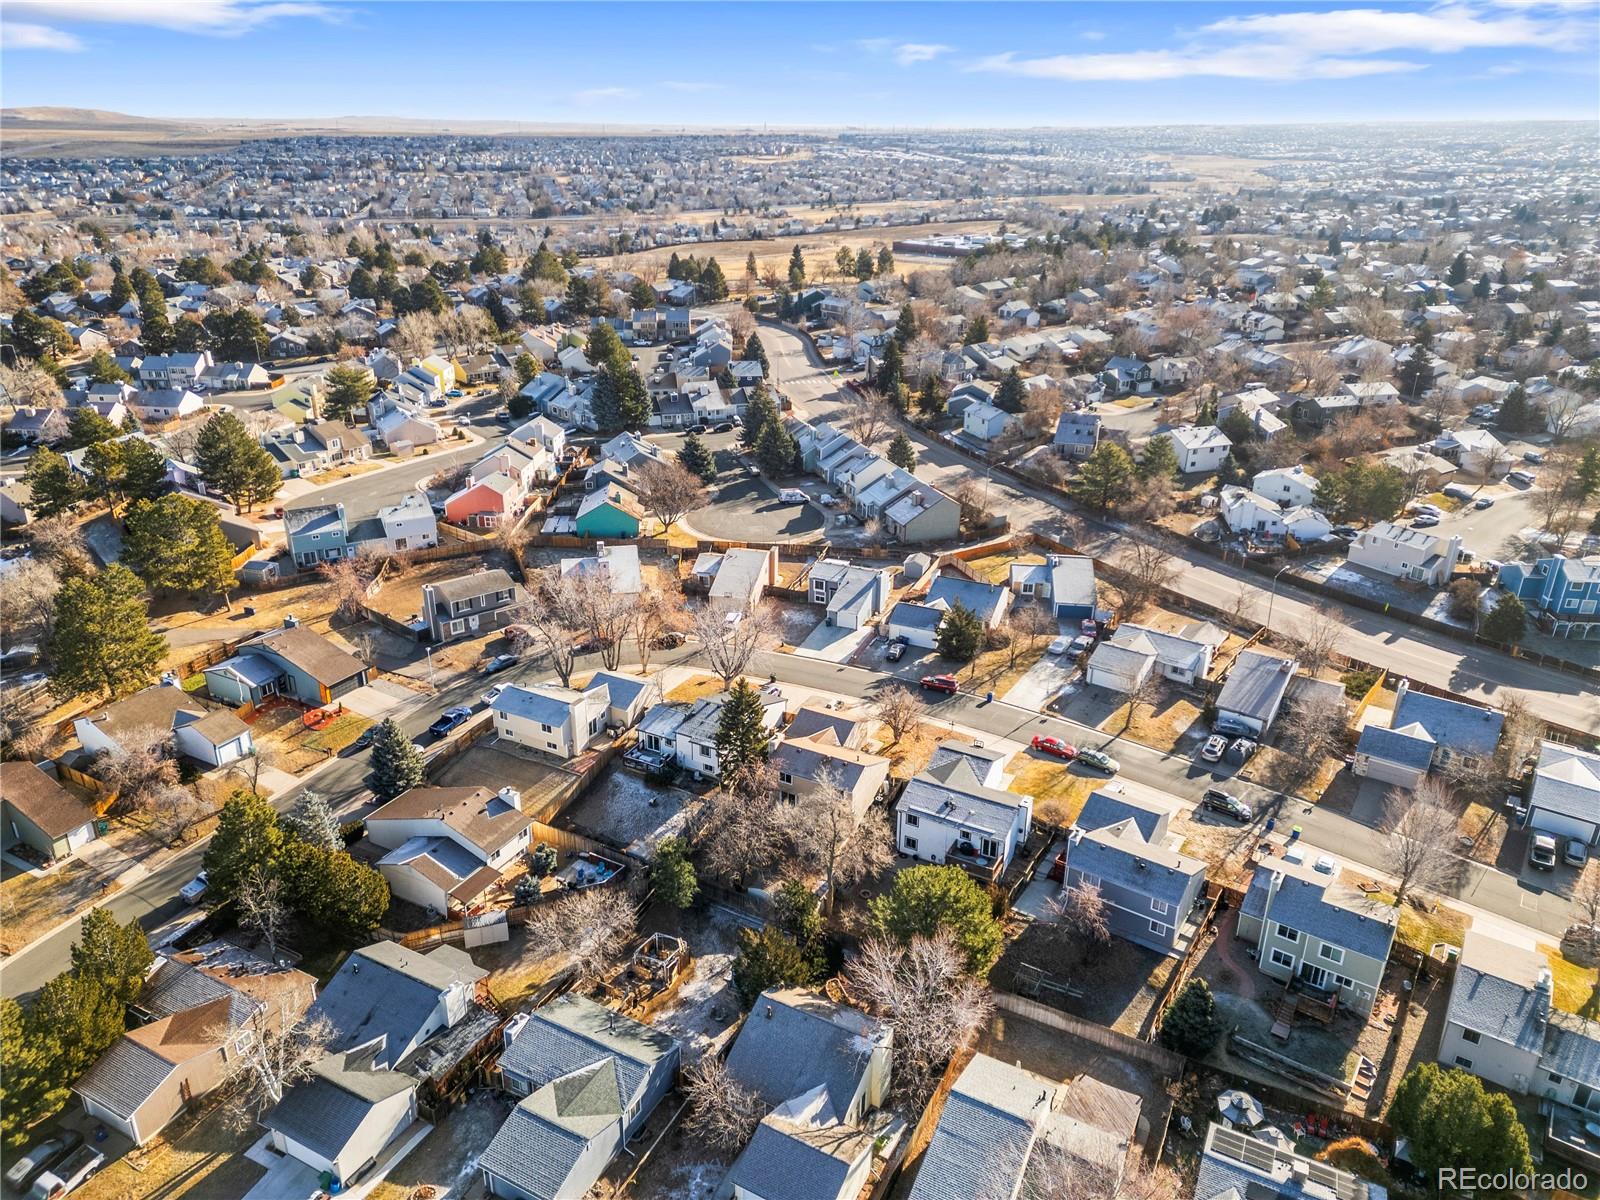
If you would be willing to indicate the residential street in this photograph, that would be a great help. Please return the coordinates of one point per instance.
(1470, 671)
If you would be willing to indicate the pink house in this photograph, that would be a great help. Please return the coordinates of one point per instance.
(485, 502)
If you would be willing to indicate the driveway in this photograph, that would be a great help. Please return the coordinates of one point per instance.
(831, 643)
(1042, 681)
(746, 510)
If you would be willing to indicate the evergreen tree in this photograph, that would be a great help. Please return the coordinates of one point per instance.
(178, 544)
(103, 369)
(102, 641)
(238, 334)
(1159, 459)
(1515, 412)
(312, 820)
(864, 264)
(902, 453)
(333, 895)
(641, 295)
(84, 1018)
(349, 387)
(672, 874)
(54, 486)
(1507, 621)
(144, 470)
(1450, 1119)
(925, 900)
(1586, 480)
(758, 414)
(905, 327)
(796, 912)
(960, 634)
(1105, 479)
(85, 427)
(754, 351)
(885, 260)
(766, 960)
(797, 269)
(713, 284)
(1191, 1025)
(113, 955)
(235, 465)
(891, 369)
(1011, 393)
(248, 842)
(397, 765)
(741, 739)
(1417, 374)
(121, 291)
(526, 367)
(33, 1087)
(605, 348)
(776, 450)
(1457, 275)
(931, 400)
(40, 337)
(1483, 288)
(697, 458)
(1335, 245)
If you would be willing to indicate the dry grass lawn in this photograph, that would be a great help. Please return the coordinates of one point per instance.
(996, 568)
(347, 471)
(1577, 988)
(1156, 725)
(1269, 766)
(1424, 930)
(912, 752)
(696, 687)
(1058, 794)
(200, 1159)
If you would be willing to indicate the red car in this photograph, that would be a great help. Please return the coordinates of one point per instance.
(1055, 746)
(941, 683)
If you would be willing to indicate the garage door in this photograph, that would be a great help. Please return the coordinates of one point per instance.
(1387, 772)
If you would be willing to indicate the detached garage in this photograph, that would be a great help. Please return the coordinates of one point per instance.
(918, 624)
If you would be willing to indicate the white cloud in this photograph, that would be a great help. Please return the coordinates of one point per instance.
(601, 94)
(1138, 66)
(1092, 35)
(692, 85)
(1444, 30)
(19, 35)
(219, 18)
(908, 53)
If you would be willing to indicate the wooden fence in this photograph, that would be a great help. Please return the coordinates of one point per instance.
(104, 794)
(1166, 1061)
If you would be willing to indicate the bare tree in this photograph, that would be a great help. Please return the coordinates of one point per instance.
(1146, 570)
(539, 629)
(589, 927)
(729, 645)
(170, 812)
(1145, 691)
(415, 335)
(1242, 612)
(1151, 498)
(1083, 915)
(1583, 935)
(1520, 733)
(1028, 625)
(585, 601)
(826, 833)
(922, 989)
(870, 417)
(660, 611)
(723, 1113)
(1419, 850)
(143, 763)
(739, 829)
(1054, 1172)
(59, 541)
(348, 580)
(669, 490)
(900, 709)
(264, 1066)
(1310, 728)
(1315, 636)
(262, 907)
(28, 601)
(1320, 373)
(26, 386)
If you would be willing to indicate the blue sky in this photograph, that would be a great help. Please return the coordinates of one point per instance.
(859, 63)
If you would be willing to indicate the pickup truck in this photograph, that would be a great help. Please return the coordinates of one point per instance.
(67, 1174)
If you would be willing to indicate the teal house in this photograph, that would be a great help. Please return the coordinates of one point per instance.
(609, 512)
(292, 662)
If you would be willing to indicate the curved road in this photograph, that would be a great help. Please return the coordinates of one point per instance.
(1470, 671)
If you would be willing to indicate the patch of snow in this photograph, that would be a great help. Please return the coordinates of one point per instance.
(701, 1179)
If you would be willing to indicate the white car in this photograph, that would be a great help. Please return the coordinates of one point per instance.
(195, 890)
(1216, 746)
(1060, 645)
(493, 693)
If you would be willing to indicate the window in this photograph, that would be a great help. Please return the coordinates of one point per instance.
(547, 728)
(1464, 1063)
(456, 627)
(910, 843)
(1282, 958)
(1332, 953)
(913, 819)
(1156, 927)
(785, 777)
(1160, 906)
(1287, 934)
(788, 797)
(1471, 1035)
(1341, 981)
(1554, 1078)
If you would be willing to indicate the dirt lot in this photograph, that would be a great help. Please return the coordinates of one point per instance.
(447, 1159)
(627, 810)
(1115, 986)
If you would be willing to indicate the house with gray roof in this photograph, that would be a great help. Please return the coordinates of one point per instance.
(993, 1116)
(1065, 581)
(1564, 799)
(559, 721)
(851, 596)
(1317, 933)
(736, 579)
(589, 1079)
(686, 734)
(344, 1114)
(922, 513)
(948, 813)
(1077, 434)
(1236, 1166)
(469, 604)
(1122, 846)
(447, 846)
(289, 661)
(915, 624)
(1253, 693)
(1425, 732)
(804, 764)
(990, 601)
(404, 996)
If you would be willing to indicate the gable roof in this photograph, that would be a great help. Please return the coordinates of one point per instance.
(573, 1032)
(387, 990)
(794, 1041)
(307, 651)
(985, 1132)
(1465, 728)
(483, 817)
(324, 1112)
(953, 793)
(1256, 683)
(1331, 911)
(1496, 992)
(1567, 781)
(42, 800)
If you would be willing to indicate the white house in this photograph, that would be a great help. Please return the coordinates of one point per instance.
(447, 846)
(1200, 448)
(686, 734)
(166, 404)
(1288, 486)
(552, 720)
(1410, 554)
(985, 422)
(956, 812)
(409, 524)
(173, 370)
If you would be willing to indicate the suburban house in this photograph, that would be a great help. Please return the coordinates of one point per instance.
(486, 501)
(543, 433)
(316, 446)
(194, 1013)
(1290, 487)
(1502, 1026)
(626, 696)
(618, 566)
(609, 512)
(36, 811)
(1414, 555)
(955, 811)
(1127, 658)
(1122, 846)
(986, 1133)
(408, 524)
(589, 1079)
(686, 734)
(552, 720)
(317, 533)
(345, 1113)
(165, 404)
(736, 579)
(1065, 581)
(293, 662)
(447, 846)
(1323, 935)
(990, 601)
(848, 728)
(1200, 449)
(469, 605)
(1424, 732)
(1237, 1165)
(802, 763)
(984, 422)
(234, 377)
(852, 596)
(399, 425)
(824, 1071)
(1476, 451)
(1124, 376)
(38, 426)
(1077, 434)
(921, 514)
(199, 730)
(1254, 515)
(173, 370)
(1253, 693)
(401, 995)
(1564, 798)
(1563, 594)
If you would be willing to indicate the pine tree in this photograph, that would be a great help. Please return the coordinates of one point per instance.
(754, 351)
(1417, 375)
(1011, 393)
(758, 414)
(54, 486)
(925, 900)
(1507, 621)
(85, 427)
(248, 841)
(885, 260)
(234, 465)
(103, 369)
(1483, 288)
(349, 387)
(144, 470)
(1105, 479)
(397, 765)
(697, 458)
(178, 545)
(1586, 481)
(776, 451)
(312, 820)
(114, 955)
(797, 269)
(742, 738)
(1159, 459)
(33, 1087)
(864, 264)
(902, 453)
(905, 327)
(713, 284)
(1457, 275)
(1191, 1025)
(769, 959)
(960, 634)
(1514, 412)
(672, 874)
(102, 640)
(891, 369)
(931, 400)
(332, 893)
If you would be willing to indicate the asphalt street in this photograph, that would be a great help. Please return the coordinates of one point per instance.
(1470, 671)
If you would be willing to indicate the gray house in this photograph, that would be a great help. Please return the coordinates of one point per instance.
(37, 811)
(1065, 581)
(922, 514)
(986, 1133)
(1322, 935)
(1565, 798)
(292, 661)
(470, 605)
(589, 1079)
(1254, 692)
(317, 533)
(852, 596)
(1077, 434)
(1424, 732)
(1120, 846)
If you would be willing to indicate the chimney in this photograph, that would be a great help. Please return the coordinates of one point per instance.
(290, 621)
(512, 797)
(768, 1013)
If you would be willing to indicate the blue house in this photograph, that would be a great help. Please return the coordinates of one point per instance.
(291, 661)
(1564, 593)
(317, 533)
(610, 512)
(991, 601)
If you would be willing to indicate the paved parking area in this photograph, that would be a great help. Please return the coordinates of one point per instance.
(745, 510)
(1043, 681)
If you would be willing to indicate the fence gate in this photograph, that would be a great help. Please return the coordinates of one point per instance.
(485, 929)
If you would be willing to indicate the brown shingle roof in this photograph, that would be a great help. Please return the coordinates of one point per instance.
(41, 799)
(152, 708)
(310, 652)
(476, 813)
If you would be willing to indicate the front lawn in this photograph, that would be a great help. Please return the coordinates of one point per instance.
(1577, 988)
(1423, 930)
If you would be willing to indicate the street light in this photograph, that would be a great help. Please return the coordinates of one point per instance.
(1272, 599)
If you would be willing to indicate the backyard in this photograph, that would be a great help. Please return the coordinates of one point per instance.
(1114, 985)
(628, 811)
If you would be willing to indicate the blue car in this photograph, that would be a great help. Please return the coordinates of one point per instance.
(452, 718)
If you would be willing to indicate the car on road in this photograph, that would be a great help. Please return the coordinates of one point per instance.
(699, 427)
(1575, 853)
(722, 427)
(455, 393)
(1216, 746)
(1424, 521)
(827, 498)
(1060, 646)
(499, 663)
(1099, 760)
(896, 650)
(792, 496)
(450, 719)
(21, 1174)
(940, 683)
(1542, 852)
(1432, 510)
(1533, 456)
(1220, 801)
(1045, 744)
(1522, 478)
(1483, 502)
(365, 740)
(195, 890)
(494, 693)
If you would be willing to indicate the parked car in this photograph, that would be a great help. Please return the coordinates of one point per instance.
(698, 427)
(1424, 521)
(1060, 645)
(722, 427)
(1533, 456)
(1456, 492)
(826, 499)
(1542, 851)
(1089, 627)
(1241, 750)
(1432, 509)
(669, 640)
(1223, 802)
(455, 393)
(1081, 644)
(450, 719)
(1483, 502)
(1522, 478)
(494, 693)
(1055, 746)
(499, 663)
(1575, 853)
(1216, 746)
(195, 890)
(1344, 531)
(940, 683)
(792, 496)
(67, 1174)
(21, 1174)
(896, 650)
(365, 740)
(1099, 760)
